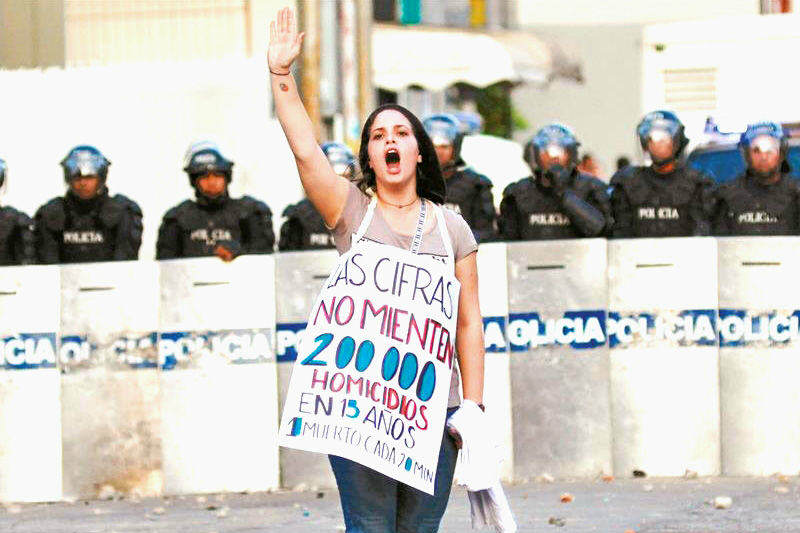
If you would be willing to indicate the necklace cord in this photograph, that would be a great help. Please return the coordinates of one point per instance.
(398, 206)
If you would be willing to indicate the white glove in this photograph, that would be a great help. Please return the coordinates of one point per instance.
(479, 468)
(490, 508)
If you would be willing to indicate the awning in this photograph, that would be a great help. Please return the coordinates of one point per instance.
(437, 58)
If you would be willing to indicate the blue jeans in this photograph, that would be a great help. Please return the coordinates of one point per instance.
(375, 503)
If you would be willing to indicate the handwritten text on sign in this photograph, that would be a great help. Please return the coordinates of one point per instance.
(372, 376)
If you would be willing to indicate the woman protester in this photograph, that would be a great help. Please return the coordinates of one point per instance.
(389, 207)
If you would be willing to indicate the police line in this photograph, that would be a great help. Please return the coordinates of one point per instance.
(226, 326)
(38, 350)
(588, 329)
(580, 329)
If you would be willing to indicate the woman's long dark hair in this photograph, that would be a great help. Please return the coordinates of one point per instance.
(430, 182)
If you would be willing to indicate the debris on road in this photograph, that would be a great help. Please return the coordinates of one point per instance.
(107, 492)
(723, 502)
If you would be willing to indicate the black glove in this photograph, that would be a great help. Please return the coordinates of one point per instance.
(559, 178)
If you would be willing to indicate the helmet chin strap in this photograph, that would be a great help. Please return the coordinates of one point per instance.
(766, 177)
(660, 164)
(450, 167)
(212, 201)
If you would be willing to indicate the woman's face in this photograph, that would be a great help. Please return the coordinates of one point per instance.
(392, 148)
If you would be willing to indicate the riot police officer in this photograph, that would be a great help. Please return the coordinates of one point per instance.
(764, 200)
(304, 228)
(16, 232)
(557, 201)
(215, 223)
(87, 224)
(468, 193)
(666, 198)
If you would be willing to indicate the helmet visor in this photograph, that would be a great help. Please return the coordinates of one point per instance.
(441, 133)
(84, 163)
(341, 161)
(199, 146)
(555, 151)
(657, 130)
(765, 144)
(658, 135)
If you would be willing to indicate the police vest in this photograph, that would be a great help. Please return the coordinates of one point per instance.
(86, 230)
(755, 209)
(663, 205)
(203, 227)
(305, 229)
(539, 211)
(464, 188)
(16, 237)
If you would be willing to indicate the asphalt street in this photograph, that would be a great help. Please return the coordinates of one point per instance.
(639, 505)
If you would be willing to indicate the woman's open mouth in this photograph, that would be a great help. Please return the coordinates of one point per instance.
(392, 157)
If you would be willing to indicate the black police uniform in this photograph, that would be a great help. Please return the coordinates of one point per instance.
(104, 228)
(532, 211)
(746, 206)
(16, 238)
(304, 229)
(648, 204)
(470, 195)
(195, 228)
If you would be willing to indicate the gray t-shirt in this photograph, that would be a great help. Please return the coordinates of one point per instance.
(461, 238)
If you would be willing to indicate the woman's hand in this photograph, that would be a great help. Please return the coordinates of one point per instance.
(284, 42)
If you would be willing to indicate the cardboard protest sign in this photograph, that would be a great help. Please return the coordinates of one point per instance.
(372, 376)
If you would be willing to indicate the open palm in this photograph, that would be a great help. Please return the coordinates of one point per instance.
(284, 41)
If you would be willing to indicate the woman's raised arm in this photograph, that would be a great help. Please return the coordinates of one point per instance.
(324, 188)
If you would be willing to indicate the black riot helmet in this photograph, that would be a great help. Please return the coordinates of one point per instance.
(204, 158)
(445, 128)
(3, 169)
(660, 124)
(471, 122)
(85, 160)
(764, 136)
(341, 158)
(552, 138)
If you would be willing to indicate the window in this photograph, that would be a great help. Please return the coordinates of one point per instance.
(384, 10)
(690, 89)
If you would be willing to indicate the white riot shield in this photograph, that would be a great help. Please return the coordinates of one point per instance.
(759, 323)
(109, 382)
(493, 295)
(559, 358)
(298, 279)
(218, 380)
(664, 355)
(30, 412)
